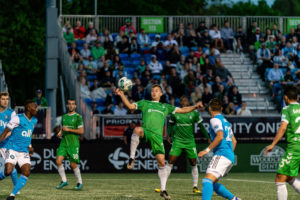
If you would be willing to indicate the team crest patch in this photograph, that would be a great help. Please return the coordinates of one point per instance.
(12, 156)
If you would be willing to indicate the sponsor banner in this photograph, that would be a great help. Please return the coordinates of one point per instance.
(105, 156)
(292, 23)
(248, 158)
(152, 24)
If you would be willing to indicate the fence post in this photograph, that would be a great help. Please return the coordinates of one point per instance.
(133, 23)
(96, 20)
(244, 24)
(170, 24)
(207, 21)
(280, 24)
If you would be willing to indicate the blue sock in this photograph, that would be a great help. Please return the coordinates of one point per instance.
(222, 191)
(2, 175)
(14, 176)
(207, 189)
(20, 184)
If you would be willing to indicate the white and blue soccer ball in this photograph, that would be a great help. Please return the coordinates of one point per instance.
(125, 84)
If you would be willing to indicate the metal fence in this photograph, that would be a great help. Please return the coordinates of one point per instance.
(113, 23)
(3, 86)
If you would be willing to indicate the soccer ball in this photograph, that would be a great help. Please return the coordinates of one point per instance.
(125, 84)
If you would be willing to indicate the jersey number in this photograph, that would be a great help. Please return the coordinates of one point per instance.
(298, 129)
(229, 132)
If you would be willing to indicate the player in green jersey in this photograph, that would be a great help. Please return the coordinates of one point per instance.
(154, 114)
(290, 124)
(181, 130)
(72, 127)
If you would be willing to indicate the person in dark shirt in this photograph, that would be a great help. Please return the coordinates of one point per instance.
(201, 28)
(128, 133)
(223, 73)
(206, 96)
(94, 108)
(124, 46)
(108, 110)
(235, 97)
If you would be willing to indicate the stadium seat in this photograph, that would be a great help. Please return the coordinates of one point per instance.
(91, 77)
(100, 102)
(114, 35)
(163, 36)
(146, 50)
(135, 63)
(152, 36)
(194, 48)
(267, 72)
(184, 49)
(80, 43)
(126, 63)
(124, 57)
(100, 108)
(135, 57)
(283, 70)
(88, 101)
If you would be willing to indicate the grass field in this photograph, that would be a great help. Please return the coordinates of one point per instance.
(248, 186)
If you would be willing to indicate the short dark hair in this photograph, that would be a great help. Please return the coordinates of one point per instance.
(183, 97)
(27, 102)
(4, 94)
(156, 85)
(291, 92)
(71, 99)
(215, 104)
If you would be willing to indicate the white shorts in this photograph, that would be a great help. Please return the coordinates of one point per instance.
(2, 158)
(15, 157)
(2, 153)
(219, 166)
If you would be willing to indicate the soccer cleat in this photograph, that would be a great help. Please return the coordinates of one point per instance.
(196, 190)
(165, 195)
(61, 185)
(10, 198)
(157, 190)
(78, 186)
(130, 163)
(236, 198)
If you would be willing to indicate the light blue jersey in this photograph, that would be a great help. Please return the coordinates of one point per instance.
(22, 129)
(5, 117)
(225, 148)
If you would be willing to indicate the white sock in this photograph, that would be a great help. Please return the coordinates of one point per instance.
(135, 140)
(195, 175)
(78, 175)
(281, 191)
(169, 168)
(162, 173)
(295, 183)
(61, 172)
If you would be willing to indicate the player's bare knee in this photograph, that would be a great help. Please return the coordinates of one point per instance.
(8, 171)
(73, 165)
(26, 173)
(138, 131)
(161, 163)
(193, 162)
(58, 162)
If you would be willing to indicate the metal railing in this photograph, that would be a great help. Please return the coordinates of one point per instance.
(113, 23)
(3, 86)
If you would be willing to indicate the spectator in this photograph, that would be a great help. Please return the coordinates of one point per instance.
(106, 34)
(282, 43)
(174, 56)
(107, 43)
(244, 111)
(69, 36)
(85, 52)
(155, 66)
(189, 29)
(143, 39)
(84, 89)
(90, 28)
(206, 96)
(146, 78)
(73, 50)
(127, 28)
(223, 73)
(120, 110)
(79, 31)
(103, 70)
(263, 56)
(255, 37)
(215, 34)
(227, 36)
(220, 93)
(175, 82)
(94, 108)
(289, 37)
(90, 66)
(209, 76)
(230, 109)
(225, 104)
(241, 39)
(185, 70)
(258, 43)
(289, 51)
(206, 39)
(275, 31)
(134, 46)
(170, 42)
(108, 80)
(288, 78)
(192, 40)
(108, 110)
(279, 59)
(295, 42)
(128, 133)
(251, 32)
(95, 85)
(66, 26)
(119, 38)
(91, 38)
(189, 79)
(275, 76)
(141, 67)
(181, 38)
(235, 97)
(39, 99)
(271, 44)
(196, 95)
(268, 34)
(157, 41)
(98, 51)
(201, 28)
(124, 46)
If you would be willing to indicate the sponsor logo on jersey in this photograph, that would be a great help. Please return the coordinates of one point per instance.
(3, 123)
(267, 163)
(26, 133)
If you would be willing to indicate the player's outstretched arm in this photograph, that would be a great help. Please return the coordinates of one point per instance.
(189, 108)
(5, 134)
(278, 137)
(78, 131)
(216, 142)
(129, 105)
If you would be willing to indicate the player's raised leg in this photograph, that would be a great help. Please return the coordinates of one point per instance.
(61, 172)
(163, 175)
(138, 133)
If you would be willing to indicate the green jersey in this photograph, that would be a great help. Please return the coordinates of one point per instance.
(73, 121)
(185, 125)
(154, 115)
(291, 115)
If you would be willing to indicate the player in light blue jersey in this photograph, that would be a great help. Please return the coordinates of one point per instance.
(21, 128)
(223, 145)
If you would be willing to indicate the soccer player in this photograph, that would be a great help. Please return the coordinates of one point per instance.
(72, 127)
(290, 124)
(181, 127)
(223, 145)
(6, 114)
(21, 128)
(154, 114)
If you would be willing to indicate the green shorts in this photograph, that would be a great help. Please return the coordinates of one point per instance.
(190, 149)
(71, 153)
(289, 164)
(156, 141)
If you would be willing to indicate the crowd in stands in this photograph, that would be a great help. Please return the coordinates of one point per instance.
(184, 62)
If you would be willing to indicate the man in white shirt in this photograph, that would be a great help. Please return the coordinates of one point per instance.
(143, 39)
(85, 52)
(155, 66)
(168, 44)
(120, 110)
(157, 40)
(215, 35)
(244, 111)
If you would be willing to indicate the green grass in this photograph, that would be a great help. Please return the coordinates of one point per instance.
(248, 186)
